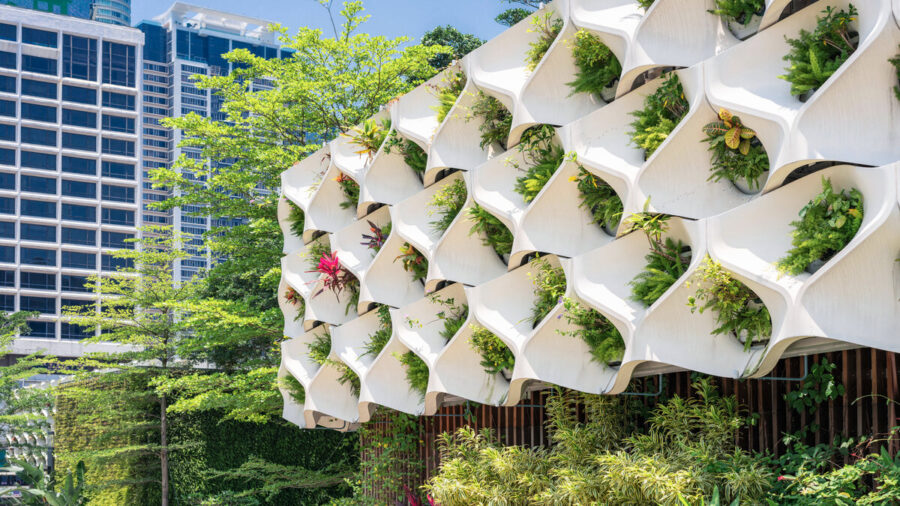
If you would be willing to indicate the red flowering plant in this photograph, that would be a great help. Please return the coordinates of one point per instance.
(413, 262)
(377, 236)
(334, 276)
(292, 296)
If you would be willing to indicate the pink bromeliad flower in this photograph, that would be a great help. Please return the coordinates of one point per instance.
(336, 277)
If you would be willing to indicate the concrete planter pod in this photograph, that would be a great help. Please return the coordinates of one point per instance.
(291, 241)
(413, 116)
(324, 212)
(348, 243)
(385, 379)
(388, 181)
(292, 411)
(346, 155)
(386, 282)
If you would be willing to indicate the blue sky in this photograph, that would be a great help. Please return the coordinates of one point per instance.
(391, 18)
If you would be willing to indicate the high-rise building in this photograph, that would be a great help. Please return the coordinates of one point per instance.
(184, 41)
(115, 12)
(69, 164)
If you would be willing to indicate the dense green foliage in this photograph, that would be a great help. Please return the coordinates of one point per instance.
(413, 261)
(295, 388)
(319, 351)
(895, 61)
(547, 26)
(662, 111)
(645, 3)
(39, 488)
(447, 203)
(492, 231)
(512, 16)
(496, 120)
(412, 153)
(496, 357)
(350, 190)
(602, 337)
(816, 55)
(827, 223)
(379, 339)
(416, 372)
(297, 218)
(739, 311)
(543, 156)
(735, 155)
(738, 10)
(458, 43)
(549, 289)
(600, 199)
(667, 260)
(598, 67)
(448, 92)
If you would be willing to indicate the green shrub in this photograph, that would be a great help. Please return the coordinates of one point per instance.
(734, 154)
(601, 336)
(597, 66)
(738, 10)
(662, 111)
(294, 388)
(739, 311)
(547, 27)
(666, 262)
(895, 61)
(600, 199)
(495, 233)
(446, 203)
(496, 120)
(549, 289)
(449, 92)
(815, 56)
(296, 218)
(827, 223)
(413, 262)
(413, 155)
(350, 189)
(369, 136)
(379, 339)
(543, 156)
(495, 356)
(416, 372)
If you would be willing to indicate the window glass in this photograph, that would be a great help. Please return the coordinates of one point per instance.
(111, 263)
(34, 160)
(7, 230)
(79, 236)
(8, 108)
(41, 89)
(7, 205)
(74, 332)
(38, 112)
(79, 165)
(8, 32)
(35, 256)
(7, 60)
(118, 100)
(79, 141)
(79, 118)
(8, 84)
(7, 181)
(37, 280)
(79, 189)
(79, 95)
(8, 133)
(42, 329)
(72, 283)
(38, 65)
(33, 232)
(8, 254)
(38, 184)
(38, 136)
(78, 260)
(37, 208)
(117, 147)
(118, 64)
(117, 217)
(44, 305)
(79, 213)
(79, 57)
(76, 303)
(117, 170)
(7, 278)
(117, 193)
(116, 240)
(118, 124)
(38, 37)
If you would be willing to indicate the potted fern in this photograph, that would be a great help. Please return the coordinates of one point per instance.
(602, 337)
(320, 349)
(449, 91)
(663, 110)
(737, 154)
(493, 232)
(549, 289)
(496, 357)
(742, 17)
(667, 260)
(827, 223)
(414, 156)
(547, 26)
(496, 120)
(598, 68)
(369, 137)
(416, 372)
(739, 311)
(413, 262)
(543, 156)
(446, 204)
(816, 55)
(600, 200)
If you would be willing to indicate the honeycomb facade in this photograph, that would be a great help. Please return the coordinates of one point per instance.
(847, 131)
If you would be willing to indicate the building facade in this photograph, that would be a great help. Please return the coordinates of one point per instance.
(69, 164)
(115, 12)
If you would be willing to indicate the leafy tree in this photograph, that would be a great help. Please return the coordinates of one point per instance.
(513, 15)
(460, 43)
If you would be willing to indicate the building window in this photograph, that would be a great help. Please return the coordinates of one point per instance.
(72, 283)
(74, 332)
(37, 208)
(79, 213)
(79, 95)
(8, 254)
(79, 141)
(37, 281)
(79, 236)
(34, 160)
(38, 37)
(8, 32)
(41, 89)
(35, 256)
(7, 84)
(76, 304)
(38, 65)
(79, 118)
(118, 100)
(7, 181)
(38, 112)
(118, 64)
(44, 305)
(7, 205)
(8, 108)
(7, 60)
(118, 124)
(79, 189)
(8, 278)
(117, 170)
(37, 136)
(38, 184)
(79, 57)
(8, 133)
(116, 240)
(42, 329)
(7, 230)
(76, 260)
(117, 147)
(79, 165)
(111, 263)
(32, 232)
(117, 193)
(116, 217)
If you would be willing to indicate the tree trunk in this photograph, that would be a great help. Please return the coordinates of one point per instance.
(164, 451)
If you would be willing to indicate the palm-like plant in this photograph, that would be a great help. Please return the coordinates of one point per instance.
(369, 136)
(40, 489)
